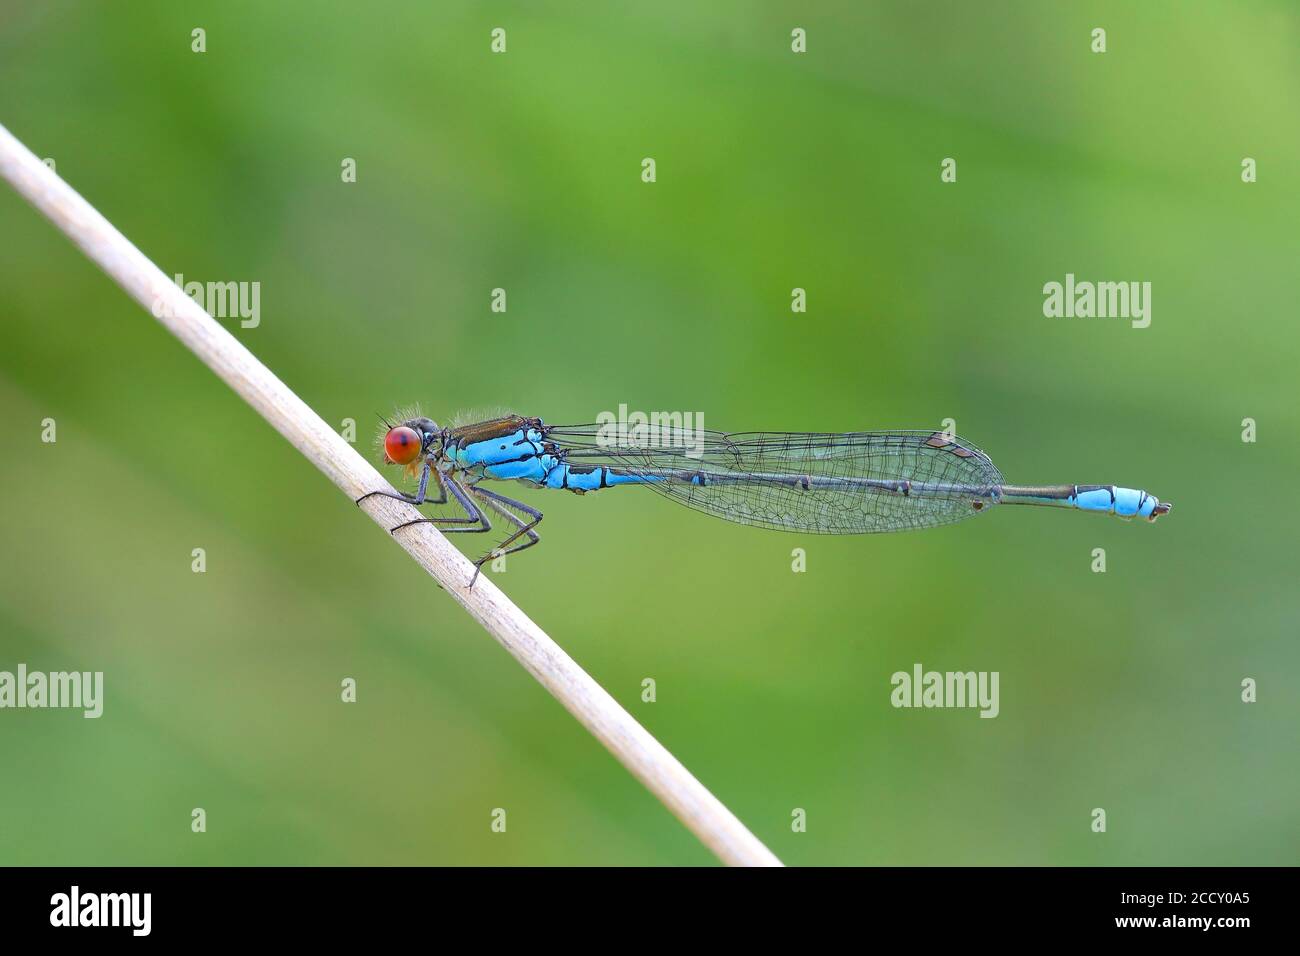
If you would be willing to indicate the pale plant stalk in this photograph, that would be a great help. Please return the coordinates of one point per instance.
(613, 726)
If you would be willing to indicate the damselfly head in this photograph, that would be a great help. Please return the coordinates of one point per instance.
(408, 442)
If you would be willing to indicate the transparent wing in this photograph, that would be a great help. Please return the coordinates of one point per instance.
(831, 483)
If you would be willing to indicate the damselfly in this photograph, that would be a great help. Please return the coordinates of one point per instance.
(819, 483)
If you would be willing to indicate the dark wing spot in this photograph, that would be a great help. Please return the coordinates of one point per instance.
(945, 442)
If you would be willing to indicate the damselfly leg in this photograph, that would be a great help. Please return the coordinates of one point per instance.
(478, 517)
(501, 505)
(473, 515)
(419, 497)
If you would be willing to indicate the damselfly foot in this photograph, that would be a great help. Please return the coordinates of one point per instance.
(409, 499)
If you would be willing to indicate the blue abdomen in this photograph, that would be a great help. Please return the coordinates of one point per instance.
(1109, 499)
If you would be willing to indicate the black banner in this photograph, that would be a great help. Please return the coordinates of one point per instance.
(237, 904)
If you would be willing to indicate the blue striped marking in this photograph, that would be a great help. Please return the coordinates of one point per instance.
(521, 456)
(1125, 502)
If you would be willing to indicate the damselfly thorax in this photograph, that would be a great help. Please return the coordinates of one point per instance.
(819, 483)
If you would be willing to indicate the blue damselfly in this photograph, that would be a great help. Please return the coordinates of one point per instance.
(818, 483)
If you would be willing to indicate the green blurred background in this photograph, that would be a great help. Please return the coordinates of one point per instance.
(775, 170)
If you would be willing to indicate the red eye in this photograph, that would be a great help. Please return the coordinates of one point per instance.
(402, 445)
